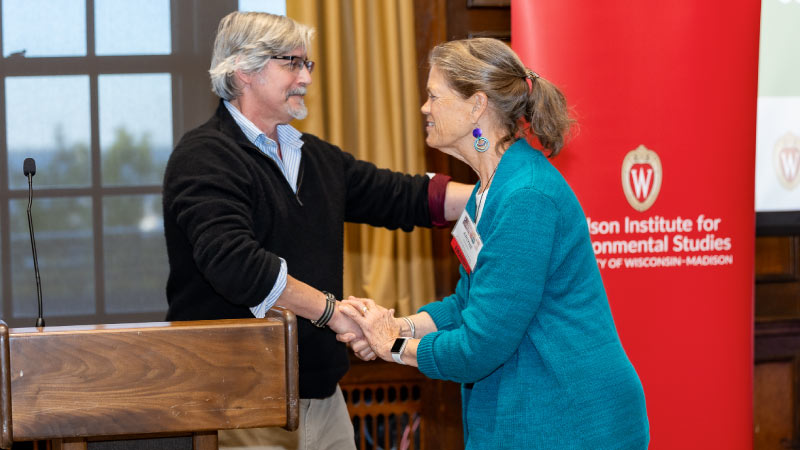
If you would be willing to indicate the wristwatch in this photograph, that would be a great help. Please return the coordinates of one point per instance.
(397, 349)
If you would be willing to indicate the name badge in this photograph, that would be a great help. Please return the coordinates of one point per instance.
(466, 242)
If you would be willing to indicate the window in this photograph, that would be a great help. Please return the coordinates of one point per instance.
(97, 92)
(270, 6)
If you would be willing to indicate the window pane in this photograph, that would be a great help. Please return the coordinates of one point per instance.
(135, 127)
(135, 254)
(126, 27)
(47, 118)
(44, 27)
(271, 6)
(66, 260)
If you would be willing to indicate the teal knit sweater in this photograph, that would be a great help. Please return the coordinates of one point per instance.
(529, 333)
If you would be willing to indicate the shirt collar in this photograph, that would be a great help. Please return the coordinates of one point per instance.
(288, 136)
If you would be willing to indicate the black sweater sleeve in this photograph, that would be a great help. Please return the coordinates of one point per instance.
(380, 197)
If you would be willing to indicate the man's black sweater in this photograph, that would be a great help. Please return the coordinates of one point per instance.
(229, 213)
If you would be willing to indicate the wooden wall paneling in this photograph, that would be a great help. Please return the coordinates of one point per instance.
(430, 21)
(465, 21)
(487, 18)
(437, 21)
(776, 301)
(776, 258)
(773, 426)
(776, 393)
(776, 373)
(777, 272)
(487, 3)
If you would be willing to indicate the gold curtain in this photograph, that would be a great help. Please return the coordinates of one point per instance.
(364, 98)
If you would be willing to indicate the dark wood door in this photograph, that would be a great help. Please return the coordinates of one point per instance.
(438, 21)
(776, 371)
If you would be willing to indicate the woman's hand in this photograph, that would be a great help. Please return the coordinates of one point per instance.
(377, 323)
(349, 332)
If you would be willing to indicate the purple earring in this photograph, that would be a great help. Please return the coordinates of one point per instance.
(481, 144)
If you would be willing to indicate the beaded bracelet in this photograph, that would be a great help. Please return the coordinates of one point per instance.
(330, 305)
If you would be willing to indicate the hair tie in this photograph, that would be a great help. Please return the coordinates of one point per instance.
(531, 75)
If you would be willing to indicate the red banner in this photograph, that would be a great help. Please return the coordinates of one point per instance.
(663, 164)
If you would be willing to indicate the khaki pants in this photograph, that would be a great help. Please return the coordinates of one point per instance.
(324, 425)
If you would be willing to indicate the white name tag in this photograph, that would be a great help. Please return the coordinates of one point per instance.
(466, 241)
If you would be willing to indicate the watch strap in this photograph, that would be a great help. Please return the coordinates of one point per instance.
(397, 356)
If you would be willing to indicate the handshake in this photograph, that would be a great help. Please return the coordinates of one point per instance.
(369, 329)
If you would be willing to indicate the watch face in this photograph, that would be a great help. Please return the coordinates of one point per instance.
(398, 345)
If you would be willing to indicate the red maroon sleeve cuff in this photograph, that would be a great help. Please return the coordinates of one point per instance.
(437, 188)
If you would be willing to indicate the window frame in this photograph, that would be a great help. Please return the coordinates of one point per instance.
(193, 25)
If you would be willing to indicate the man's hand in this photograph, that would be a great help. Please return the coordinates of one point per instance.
(348, 331)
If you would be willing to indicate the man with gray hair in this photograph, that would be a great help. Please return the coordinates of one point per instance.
(254, 214)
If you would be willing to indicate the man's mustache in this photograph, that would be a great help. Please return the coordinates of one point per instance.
(296, 91)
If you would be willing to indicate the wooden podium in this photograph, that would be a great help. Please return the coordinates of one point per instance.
(71, 385)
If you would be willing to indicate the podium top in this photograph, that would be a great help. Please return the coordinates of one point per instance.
(148, 378)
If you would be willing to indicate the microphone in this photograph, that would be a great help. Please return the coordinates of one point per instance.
(29, 169)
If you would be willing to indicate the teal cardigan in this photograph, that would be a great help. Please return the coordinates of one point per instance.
(529, 333)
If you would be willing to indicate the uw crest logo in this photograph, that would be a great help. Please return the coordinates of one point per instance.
(786, 159)
(641, 177)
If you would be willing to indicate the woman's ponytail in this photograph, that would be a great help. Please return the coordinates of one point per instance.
(547, 114)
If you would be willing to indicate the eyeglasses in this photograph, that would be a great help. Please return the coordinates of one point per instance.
(296, 63)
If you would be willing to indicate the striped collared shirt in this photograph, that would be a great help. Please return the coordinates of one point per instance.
(289, 139)
(290, 142)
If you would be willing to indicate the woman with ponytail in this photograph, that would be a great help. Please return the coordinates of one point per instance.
(528, 331)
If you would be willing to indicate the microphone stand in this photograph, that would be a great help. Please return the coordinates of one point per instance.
(40, 318)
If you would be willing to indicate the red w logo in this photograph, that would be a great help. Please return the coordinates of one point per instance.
(790, 162)
(641, 178)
